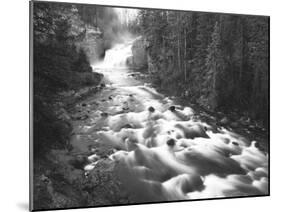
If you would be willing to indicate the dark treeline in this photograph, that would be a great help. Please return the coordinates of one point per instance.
(218, 60)
(58, 65)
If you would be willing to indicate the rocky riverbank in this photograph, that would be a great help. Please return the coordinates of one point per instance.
(59, 177)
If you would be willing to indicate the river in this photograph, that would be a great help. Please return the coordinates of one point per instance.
(163, 150)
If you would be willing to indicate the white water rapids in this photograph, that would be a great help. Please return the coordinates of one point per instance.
(167, 153)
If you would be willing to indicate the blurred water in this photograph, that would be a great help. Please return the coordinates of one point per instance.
(166, 154)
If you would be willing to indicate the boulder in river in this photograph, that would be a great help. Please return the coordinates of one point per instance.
(151, 109)
(172, 108)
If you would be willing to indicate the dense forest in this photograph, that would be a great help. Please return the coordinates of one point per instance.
(107, 82)
(217, 60)
(64, 37)
(58, 65)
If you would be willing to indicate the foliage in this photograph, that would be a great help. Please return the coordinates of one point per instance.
(58, 65)
(217, 60)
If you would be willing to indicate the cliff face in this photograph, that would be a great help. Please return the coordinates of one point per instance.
(139, 58)
(92, 44)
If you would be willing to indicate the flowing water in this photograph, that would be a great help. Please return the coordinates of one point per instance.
(163, 152)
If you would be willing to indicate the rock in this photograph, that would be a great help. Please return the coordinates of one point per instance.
(104, 114)
(235, 143)
(93, 158)
(125, 106)
(78, 162)
(83, 117)
(128, 126)
(102, 85)
(90, 167)
(257, 145)
(130, 62)
(226, 141)
(192, 131)
(224, 120)
(77, 95)
(244, 121)
(234, 124)
(252, 127)
(44, 178)
(92, 44)
(171, 142)
(172, 108)
(151, 109)
(139, 58)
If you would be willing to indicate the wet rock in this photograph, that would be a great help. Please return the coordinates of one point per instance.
(77, 95)
(244, 121)
(192, 131)
(90, 167)
(80, 117)
(234, 124)
(226, 140)
(128, 126)
(103, 184)
(125, 106)
(252, 127)
(172, 108)
(44, 178)
(171, 142)
(224, 120)
(93, 102)
(257, 145)
(104, 114)
(133, 75)
(78, 162)
(93, 158)
(235, 143)
(151, 109)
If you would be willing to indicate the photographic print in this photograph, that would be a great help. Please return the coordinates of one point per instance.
(140, 105)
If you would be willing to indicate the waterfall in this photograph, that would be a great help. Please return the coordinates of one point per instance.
(116, 57)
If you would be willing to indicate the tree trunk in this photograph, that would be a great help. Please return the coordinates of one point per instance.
(179, 60)
(184, 59)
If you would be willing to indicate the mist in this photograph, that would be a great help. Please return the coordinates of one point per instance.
(114, 23)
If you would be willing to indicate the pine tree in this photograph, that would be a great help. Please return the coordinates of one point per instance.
(214, 68)
(220, 59)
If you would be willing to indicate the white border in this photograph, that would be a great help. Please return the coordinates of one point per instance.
(14, 89)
